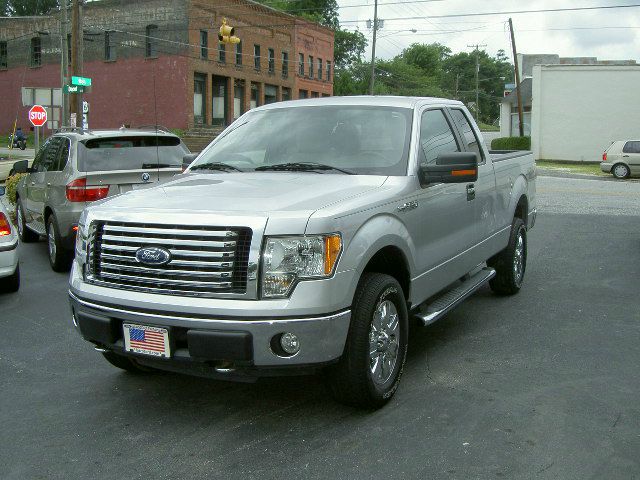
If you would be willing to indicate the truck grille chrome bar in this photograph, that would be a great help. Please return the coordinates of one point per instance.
(205, 261)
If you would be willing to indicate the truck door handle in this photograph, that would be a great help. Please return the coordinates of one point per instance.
(33, 183)
(625, 156)
(471, 192)
(48, 184)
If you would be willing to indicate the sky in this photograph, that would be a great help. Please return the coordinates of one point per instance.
(568, 34)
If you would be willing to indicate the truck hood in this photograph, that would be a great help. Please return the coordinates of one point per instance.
(270, 194)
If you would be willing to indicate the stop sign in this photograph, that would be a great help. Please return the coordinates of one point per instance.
(38, 115)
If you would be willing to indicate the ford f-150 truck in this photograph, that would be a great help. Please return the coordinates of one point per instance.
(306, 237)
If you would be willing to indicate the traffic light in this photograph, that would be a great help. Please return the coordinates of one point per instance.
(226, 34)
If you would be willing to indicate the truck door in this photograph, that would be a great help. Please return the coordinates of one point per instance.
(485, 208)
(443, 224)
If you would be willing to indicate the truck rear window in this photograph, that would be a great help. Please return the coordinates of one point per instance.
(130, 153)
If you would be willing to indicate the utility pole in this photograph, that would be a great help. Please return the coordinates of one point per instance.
(373, 47)
(477, 48)
(75, 100)
(64, 63)
(518, 96)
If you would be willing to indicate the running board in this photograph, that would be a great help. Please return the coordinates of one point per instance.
(38, 228)
(428, 313)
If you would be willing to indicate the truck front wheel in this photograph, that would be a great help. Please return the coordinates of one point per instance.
(369, 371)
(510, 264)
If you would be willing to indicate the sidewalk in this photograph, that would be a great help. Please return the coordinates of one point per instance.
(16, 152)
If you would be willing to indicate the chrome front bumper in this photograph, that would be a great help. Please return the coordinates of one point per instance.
(322, 339)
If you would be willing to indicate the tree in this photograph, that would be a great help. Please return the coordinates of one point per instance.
(23, 8)
(348, 48)
(428, 57)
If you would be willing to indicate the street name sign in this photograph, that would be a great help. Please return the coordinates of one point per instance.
(81, 81)
(37, 115)
(73, 89)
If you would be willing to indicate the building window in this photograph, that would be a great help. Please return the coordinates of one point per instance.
(256, 57)
(310, 66)
(301, 64)
(199, 98)
(151, 49)
(109, 45)
(254, 102)
(36, 52)
(272, 60)
(238, 97)
(302, 94)
(3, 54)
(314, 95)
(285, 64)
(238, 54)
(328, 71)
(286, 94)
(319, 69)
(270, 94)
(222, 52)
(204, 44)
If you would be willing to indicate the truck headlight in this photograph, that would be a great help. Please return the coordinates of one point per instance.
(81, 238)
(286, 260)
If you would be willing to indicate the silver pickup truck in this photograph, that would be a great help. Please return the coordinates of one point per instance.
(306, 237)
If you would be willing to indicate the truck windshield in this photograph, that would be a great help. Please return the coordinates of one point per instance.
(130, 153)
(366, 140)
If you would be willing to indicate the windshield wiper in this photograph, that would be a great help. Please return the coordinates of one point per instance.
(301, 167)
(224, 167)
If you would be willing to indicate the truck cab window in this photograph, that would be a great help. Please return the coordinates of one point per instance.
(436, 137)
(468, 135)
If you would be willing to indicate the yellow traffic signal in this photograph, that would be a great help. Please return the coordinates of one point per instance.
(226, 34)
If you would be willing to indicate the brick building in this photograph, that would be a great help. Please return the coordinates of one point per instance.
(159, 61)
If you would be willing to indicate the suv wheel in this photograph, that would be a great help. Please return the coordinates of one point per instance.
(24, 233)
(59, 257)
(620, 170)
(369, 371)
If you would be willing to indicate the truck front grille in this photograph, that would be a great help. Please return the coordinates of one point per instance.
(205, 261)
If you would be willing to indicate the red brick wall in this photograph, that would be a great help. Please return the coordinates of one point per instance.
(311, 39)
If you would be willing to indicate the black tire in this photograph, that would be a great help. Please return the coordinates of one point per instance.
(23, 145)
(351, 380)
(24, 233)
(125, 363)
(12, 283)
(59, 257)
(508, 279)
(620, 171)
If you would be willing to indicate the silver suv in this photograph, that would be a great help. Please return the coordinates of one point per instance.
(75, 167)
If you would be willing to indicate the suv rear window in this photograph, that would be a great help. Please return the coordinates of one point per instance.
(130, 153)
(631, 147)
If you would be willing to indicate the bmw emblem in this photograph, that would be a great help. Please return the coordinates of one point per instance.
(146, 177)
(155, 256)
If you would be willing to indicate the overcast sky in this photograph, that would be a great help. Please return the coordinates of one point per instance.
(564, 33)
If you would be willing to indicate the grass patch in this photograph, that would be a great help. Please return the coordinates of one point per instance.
(571, 167)
(485, 127)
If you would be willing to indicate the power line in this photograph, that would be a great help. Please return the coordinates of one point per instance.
(512, 12)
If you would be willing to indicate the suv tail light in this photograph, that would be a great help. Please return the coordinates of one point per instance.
(78, 191)
(5, 225)
(604, 157)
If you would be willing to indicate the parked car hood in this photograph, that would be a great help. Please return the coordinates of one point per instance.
(250, 192)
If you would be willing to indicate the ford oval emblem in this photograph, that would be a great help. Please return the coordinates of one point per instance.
(146, 177)
(153, 256)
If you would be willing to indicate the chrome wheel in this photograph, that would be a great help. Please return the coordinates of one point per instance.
(383, 342)
(620, 171)
(19, 220)
(518, 259)
(51, 240)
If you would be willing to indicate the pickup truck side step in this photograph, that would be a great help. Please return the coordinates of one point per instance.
(428, 313)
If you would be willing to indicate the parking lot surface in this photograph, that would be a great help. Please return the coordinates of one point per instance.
(541, 385)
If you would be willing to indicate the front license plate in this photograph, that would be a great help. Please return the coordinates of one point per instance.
(146, 340)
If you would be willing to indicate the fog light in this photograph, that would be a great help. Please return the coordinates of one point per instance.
(290, 343)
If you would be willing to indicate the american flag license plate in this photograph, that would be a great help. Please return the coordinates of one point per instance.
(146, 340)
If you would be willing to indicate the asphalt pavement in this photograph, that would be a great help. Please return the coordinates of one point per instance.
(542, 385)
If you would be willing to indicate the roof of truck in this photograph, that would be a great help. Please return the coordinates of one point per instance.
(382, 101)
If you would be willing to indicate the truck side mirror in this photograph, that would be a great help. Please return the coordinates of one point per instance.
(187, 159)
(454, 167)
(21, 167)
(3, 190)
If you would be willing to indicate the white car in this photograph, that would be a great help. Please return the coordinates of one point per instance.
(9, 270)
(622, 159)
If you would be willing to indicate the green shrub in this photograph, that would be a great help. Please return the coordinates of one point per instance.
(511, 143)
(12, 184)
